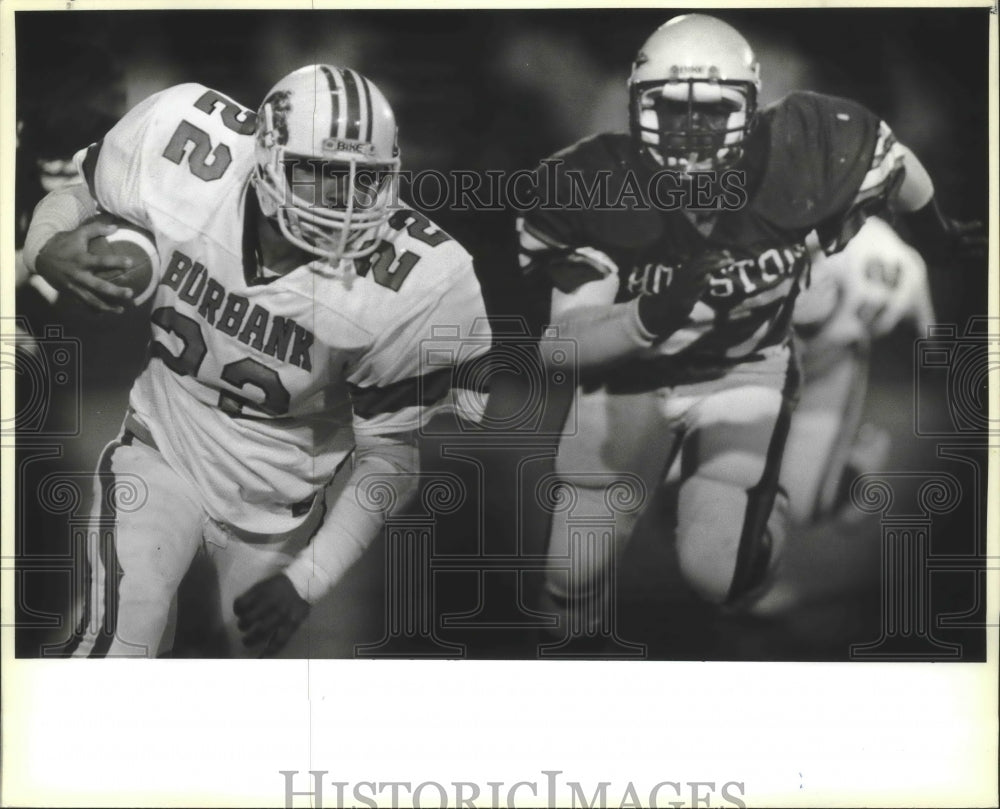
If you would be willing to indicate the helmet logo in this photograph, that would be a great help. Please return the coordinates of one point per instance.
(344, 145)
(685, 71)
(281, 105)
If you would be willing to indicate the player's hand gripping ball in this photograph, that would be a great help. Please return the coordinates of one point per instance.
(135, 244)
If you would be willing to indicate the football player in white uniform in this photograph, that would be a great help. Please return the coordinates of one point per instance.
(294, 300)
(854, 297)
(683, 316)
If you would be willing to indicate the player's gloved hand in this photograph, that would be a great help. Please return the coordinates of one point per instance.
(665, 311)
(968, 239)
(66, 262)
(270, 611)
(942, 239)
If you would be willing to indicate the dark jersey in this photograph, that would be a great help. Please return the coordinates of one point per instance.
(815, 164)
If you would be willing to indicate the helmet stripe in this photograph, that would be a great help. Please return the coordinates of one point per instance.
(337, 111)
(352, 96)
(367, 113)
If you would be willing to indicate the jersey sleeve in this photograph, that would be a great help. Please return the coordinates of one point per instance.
(113, 167)
(427, 362)
(555, 236)
(157, 157)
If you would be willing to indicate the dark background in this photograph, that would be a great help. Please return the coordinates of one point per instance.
(500, 90)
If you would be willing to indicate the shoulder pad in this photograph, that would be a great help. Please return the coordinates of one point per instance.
(603, 151)
(819, 152)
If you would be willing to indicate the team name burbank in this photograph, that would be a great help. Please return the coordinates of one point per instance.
(274, 335)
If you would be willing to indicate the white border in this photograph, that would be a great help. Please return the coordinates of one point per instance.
(120, 733)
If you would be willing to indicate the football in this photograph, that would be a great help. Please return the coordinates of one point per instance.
(131, 242)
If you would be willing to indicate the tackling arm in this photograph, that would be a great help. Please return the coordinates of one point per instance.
(271, 610)
(603, 330)
(353, 522)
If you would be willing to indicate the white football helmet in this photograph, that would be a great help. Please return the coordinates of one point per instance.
(693, 94)
(327, 122)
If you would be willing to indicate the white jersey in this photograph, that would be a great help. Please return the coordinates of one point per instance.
(861, 293)
(254, 387)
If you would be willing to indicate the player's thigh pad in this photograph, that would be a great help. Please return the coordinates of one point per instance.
(614, 432)
(608, 466)
(146, 526)
(730, 460)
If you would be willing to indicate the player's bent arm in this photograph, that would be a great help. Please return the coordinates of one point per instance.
(937, 236)
(353, 522)
(917, 188)
(602, 329)
(584, 283)
(605, 331)
(56, 247)
(60, 210)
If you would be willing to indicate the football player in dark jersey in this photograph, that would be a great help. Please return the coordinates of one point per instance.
(674, 256)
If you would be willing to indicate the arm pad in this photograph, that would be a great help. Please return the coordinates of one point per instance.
(353, 522)
(602, 333)
(63, 209)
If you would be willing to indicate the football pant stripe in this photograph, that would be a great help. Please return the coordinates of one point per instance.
(753, 554)
(87, 641)
(337, 111)
(352, 97)
(80, 631)
(110, 567)
(94, 610)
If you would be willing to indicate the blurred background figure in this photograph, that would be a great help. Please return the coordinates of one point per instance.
(69, 93)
